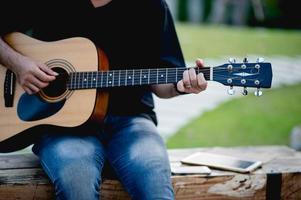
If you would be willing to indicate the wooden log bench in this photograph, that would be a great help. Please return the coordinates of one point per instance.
(279, 178)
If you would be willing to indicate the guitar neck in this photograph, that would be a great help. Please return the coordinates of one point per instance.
(129, 77)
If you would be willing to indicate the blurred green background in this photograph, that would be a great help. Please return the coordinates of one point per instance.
(269, 28)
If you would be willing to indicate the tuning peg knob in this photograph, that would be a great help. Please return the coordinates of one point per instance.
(232, 60)
(231, 90)
(260, 60)
(245, 60)
(245, 91)
(258, 92)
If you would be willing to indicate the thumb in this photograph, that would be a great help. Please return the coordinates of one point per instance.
(180, 86)
(200, 62)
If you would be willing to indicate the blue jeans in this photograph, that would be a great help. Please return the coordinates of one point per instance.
(130, 144)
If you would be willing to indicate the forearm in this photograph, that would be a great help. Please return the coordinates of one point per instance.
(8, 56)
(164, 90)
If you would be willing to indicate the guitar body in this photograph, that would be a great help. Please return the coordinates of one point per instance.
(64, 108)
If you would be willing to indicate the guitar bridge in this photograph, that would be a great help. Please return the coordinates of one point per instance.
(9, 88)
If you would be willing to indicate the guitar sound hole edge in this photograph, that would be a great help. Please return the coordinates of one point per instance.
(57, 90)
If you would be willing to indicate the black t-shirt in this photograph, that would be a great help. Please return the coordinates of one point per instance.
(132, 33)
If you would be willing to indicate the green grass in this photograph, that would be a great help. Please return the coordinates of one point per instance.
(249, 120)
(207, 41)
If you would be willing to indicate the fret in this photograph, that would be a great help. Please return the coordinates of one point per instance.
(82, 80)
(133, 78)
(166, 75)
(101, 79)
(93, 84)
(153, 77)
(140, 76)
(111, 75)
(104, 79)
(136, 77)
(180, 72)
(106, 75)
(176, 77)
(91, 81)
(144, 77)
(119, 78)
(126, 77)
(115, 78)
(157, 76)
(77, 79)
(148, 76)
(86, 80)
(129, 77)
(122, 78)
(109, 79)
(96, 77)
(161, 75)
(170, 77)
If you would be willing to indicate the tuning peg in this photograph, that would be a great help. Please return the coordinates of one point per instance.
(260, 60)
(245, 60)
(258, 92)
(231, 90)
(245, 91)
(232, 60)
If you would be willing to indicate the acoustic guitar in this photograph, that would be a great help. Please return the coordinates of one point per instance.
(77, 96)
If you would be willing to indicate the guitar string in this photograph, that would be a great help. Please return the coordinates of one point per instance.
(150, 80)
(165, 69)
(143, 83)
(139, 72)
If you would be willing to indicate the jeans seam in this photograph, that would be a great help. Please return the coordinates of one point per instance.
(47, 169)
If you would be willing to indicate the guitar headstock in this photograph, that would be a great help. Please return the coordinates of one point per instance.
(256, 75)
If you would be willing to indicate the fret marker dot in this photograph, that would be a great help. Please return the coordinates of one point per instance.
(94, 79)
(110, 82)
(85, 79)
(162, 75)
(110, 74)
(130, 77)
(144, 76)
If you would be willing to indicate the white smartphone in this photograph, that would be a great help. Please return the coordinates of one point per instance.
(186, 170)
(220, 161)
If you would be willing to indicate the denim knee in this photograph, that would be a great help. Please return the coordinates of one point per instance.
(142, 165)
(73, 164)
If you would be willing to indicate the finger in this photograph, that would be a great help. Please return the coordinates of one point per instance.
(47, 70)
(34, 89)
(200, 63)
(39, 84)
(180, 86)
(41, 75)
(27, 90)
(193, 78)
(202, 83)
(186, 80)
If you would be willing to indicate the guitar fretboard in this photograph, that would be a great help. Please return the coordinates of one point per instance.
(129, 77)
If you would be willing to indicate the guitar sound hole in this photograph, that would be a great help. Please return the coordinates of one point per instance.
(57, 87)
